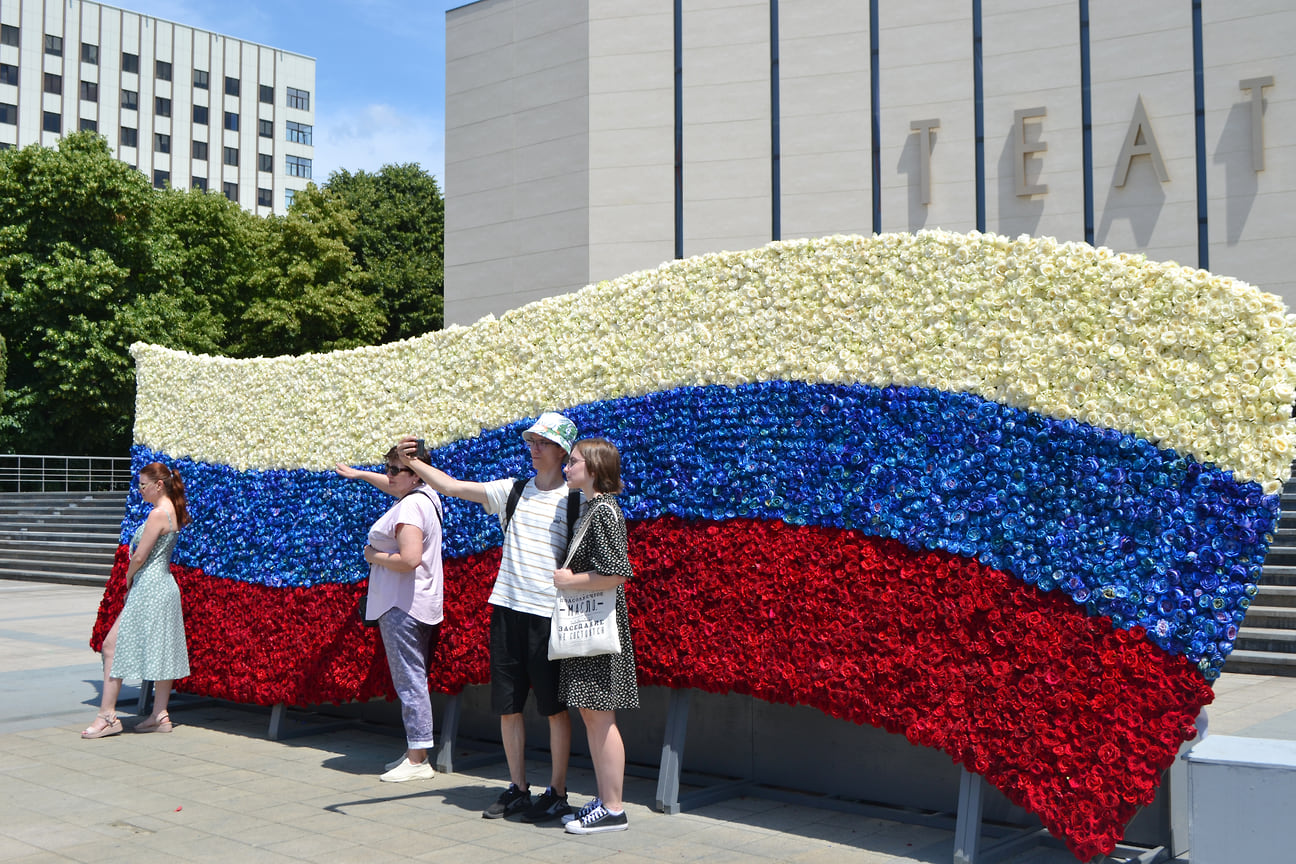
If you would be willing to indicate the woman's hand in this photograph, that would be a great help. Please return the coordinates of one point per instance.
(370, 554)
(564, 578)
(348, 472)
(405, 450)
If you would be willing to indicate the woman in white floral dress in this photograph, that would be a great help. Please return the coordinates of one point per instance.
(147, 641)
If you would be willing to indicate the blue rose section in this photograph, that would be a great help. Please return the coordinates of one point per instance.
(1127, 530)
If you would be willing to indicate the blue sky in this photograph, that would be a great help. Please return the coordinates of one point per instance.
(379, 70)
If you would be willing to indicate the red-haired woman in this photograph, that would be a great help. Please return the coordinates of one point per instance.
(147, 641)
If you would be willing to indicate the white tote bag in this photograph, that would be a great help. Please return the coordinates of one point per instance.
(584, 622)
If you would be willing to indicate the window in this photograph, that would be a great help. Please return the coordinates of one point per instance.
(267, 94)
(161, 179)
(299, 132)
(298, 166)
(265, 198)
(54, 45)
(231, 121)
(200, 150)
(231, 192)
(161, 143)
(53, 83)
(129, 137)
(89, 91)
(90, 54)
(8, 74)
(200, 79)
(5, 145)
(88, 125)
(52, 121)
(8, 113)
(231, 156)
(200, 114)
(298, 98)
(265, 162)
(161, 106)
(130, 62)
(8, 35)
(130, 100)
(265, 128)
(199, 183)
(162, 70)
(231, 86)
(289, 195)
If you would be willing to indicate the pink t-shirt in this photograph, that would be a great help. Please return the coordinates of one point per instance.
(418, 593)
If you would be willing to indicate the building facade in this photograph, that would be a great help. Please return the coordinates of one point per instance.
(590, 138)
(187, 107)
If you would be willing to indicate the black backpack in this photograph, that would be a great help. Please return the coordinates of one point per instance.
(573, 510)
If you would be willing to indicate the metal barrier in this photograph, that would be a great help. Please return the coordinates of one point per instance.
(24, 473)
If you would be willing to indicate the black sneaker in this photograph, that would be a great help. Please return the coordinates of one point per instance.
(512, 800)
(584, 811)
(597, 821)
(548, 806)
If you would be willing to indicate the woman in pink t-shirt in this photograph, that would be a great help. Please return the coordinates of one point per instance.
(405, 597)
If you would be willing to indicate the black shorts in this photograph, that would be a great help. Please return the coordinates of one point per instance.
(519, 661)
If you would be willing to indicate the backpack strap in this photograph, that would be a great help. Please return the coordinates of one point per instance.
(515, 495)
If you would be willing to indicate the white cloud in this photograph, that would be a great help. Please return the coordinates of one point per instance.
(367, 138)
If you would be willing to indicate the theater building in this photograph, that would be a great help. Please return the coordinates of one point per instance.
(590, 138)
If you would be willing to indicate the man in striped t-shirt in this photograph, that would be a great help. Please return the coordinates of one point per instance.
(535, 542)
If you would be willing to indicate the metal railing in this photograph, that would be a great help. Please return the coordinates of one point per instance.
(24, 473)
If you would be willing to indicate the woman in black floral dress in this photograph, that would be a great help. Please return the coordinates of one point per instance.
(599, 685)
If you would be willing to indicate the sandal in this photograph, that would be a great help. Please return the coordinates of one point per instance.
(104, 725)
(161, 724)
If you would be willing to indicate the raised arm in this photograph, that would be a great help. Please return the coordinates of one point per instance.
(379, 481)
(442, 482)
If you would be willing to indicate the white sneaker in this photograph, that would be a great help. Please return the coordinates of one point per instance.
(408, 770)
(392, 764)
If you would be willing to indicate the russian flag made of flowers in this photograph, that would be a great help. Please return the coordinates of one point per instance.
(1008, 498)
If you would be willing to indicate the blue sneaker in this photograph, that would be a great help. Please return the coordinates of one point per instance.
(589, 808)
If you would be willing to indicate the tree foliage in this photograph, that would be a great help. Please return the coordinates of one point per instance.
(398, 216)
(92, 259)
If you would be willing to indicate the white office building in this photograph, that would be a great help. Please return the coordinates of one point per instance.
(187, 107)
(590, 138)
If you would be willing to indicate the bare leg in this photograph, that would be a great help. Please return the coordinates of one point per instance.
(560, 731)
(608, 752)
(161, 697)
(416, 756)
(111, 686)
(513, 732)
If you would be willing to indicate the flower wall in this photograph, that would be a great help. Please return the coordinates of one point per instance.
(1009, 498)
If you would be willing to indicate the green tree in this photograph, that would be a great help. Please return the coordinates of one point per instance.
(72, 246)
(307, 295)
(399, 219)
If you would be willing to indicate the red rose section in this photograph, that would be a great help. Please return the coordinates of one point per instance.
(1071, 718)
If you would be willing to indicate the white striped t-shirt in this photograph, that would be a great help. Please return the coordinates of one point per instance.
(534, 545)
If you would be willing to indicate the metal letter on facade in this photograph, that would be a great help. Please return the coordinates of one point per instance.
(1256, 86)
(924, 128)
(1024, 147)
(1140, 140)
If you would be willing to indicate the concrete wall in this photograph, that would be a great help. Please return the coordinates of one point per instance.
(1141, 196)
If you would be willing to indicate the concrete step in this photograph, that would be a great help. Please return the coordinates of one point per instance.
(89, 566)
(1276, 595)
(1261, 663)
(1277, 617)
(1267, 639)
(63, 578)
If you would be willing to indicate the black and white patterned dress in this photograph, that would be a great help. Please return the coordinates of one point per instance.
(608, 681)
